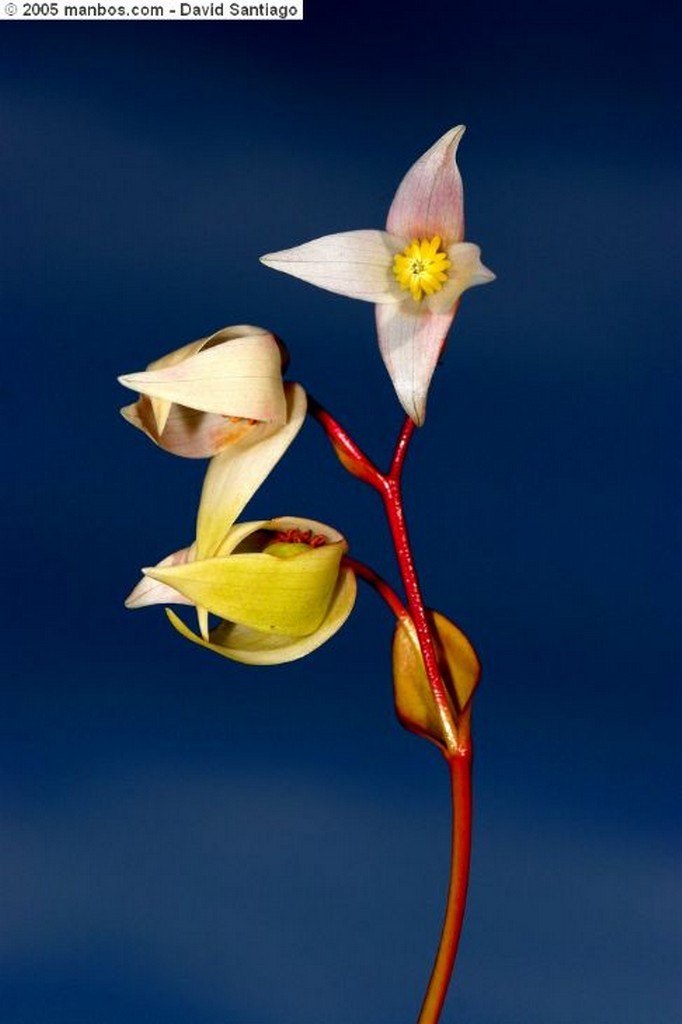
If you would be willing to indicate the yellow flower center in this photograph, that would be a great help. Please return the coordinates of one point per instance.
(421, 268)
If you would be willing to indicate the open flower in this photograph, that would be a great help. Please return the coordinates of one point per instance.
(278, 585)
(219, 392)
(415, 270)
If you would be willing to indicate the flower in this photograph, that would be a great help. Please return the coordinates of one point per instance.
(414, 271)
(219, 392)
(278, 586)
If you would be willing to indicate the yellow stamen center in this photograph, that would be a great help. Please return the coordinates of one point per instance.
(421, 268)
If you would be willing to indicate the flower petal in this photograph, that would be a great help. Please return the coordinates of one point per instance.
(161, 408)
(270, 594)
(178, 355)
(248, 537)
(411, 339)
(241, 376)
(239, 534)
(466, 271)
(429, 200)
(354, 263)
(191, 433)
(150, 591)
(251, 647)
(236, 536)
(235, 475)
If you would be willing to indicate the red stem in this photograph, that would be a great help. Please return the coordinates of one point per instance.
(401, 447)
(459, 754)
(393, 503)
(379, 584)
(459, 764)
(351, 455)
(388, 486)
(456, 730)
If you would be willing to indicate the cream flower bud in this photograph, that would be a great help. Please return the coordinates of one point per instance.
(219, 392)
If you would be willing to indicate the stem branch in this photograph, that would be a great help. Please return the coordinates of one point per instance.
(455, 727)
(379, 584)
(391, 493)
(349, 453)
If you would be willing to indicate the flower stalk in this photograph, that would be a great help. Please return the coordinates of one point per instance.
(459, 765)
(391, 493)
(388, 485)
(455, 729)
(383, 589)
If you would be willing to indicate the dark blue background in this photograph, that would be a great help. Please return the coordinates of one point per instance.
(191, 842)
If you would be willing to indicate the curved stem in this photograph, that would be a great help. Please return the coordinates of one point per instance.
(379, 584)
(401, 447)
(349, 453)
(459, 764)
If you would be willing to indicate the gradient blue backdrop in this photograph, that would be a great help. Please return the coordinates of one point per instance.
(190, 842)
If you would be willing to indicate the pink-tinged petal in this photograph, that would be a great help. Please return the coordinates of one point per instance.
(429, 200)
(140, 417)
(240, 377)
(149, 591)
(161, 407)
(194, 434)
(235, 475)
(466, 271)
(354, 263)
(411, 339)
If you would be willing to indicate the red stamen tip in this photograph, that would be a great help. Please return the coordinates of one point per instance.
(296, 536)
